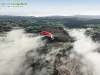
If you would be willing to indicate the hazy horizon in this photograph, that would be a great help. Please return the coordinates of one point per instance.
(77, 16)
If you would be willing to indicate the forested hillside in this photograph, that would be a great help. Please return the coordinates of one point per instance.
(38, 24)
(70, 52)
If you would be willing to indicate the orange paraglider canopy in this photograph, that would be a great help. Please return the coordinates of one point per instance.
(46, 33)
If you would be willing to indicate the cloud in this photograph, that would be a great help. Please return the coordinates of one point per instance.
(13, 50)
(87, 48)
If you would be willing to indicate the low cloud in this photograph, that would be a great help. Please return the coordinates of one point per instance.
(13, 50)
(88, 49)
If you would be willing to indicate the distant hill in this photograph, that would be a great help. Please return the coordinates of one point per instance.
(75, 16)
(59, 17)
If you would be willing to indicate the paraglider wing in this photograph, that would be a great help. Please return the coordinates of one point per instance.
(47, 34)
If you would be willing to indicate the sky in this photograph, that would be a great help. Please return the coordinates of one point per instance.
(52, 7)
